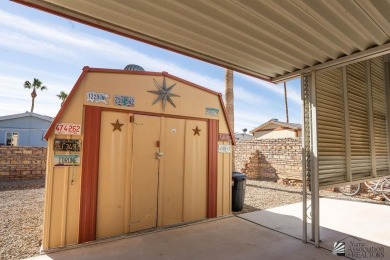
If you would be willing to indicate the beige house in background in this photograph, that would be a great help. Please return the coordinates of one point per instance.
(274, 129)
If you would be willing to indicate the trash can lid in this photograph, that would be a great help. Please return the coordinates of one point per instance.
(238, 176)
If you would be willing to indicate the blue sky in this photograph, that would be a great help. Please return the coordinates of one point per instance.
(34, 44)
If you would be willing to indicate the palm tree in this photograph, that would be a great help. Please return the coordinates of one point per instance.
(37, 84)
(229, 95)
(62, 96)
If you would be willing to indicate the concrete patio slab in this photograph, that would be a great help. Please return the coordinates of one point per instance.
(227, 238)
(267, 234)
(365, 222)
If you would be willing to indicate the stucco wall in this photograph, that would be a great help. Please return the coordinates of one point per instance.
(274, 134)
(22, 162)
(269, 158)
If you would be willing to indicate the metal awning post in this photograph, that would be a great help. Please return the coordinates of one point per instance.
(315, 200)
(304, 191)
(347, 127)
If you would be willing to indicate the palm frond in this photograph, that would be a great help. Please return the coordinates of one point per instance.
(37, 83)
(63, 95)
(27, 84)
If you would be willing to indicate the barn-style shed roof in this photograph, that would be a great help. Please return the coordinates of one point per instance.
(87, 70)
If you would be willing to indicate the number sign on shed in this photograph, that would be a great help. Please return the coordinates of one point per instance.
(67, 145)
(67, 129)
(224, 148)
(66, 159)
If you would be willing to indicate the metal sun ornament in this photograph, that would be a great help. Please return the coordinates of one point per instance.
(164, 93)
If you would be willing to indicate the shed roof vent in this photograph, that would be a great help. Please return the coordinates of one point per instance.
(134, 67)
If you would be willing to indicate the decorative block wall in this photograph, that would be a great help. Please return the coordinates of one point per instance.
(21, 162)
(266, 158)
(270, 158)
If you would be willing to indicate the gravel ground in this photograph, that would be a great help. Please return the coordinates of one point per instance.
(265, 194)
(21, 210)
(21, 218)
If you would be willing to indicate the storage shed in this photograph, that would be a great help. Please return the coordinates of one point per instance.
(133, 150)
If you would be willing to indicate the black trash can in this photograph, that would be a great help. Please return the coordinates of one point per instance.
(238, 194)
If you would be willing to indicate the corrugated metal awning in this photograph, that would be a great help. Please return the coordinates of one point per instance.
(269, 39)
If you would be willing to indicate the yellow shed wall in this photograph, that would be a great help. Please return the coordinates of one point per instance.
(62, 195)
(62, 199)
(224, 188)
(191, 103)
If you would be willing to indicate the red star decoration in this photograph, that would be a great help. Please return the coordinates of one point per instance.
(196, 131)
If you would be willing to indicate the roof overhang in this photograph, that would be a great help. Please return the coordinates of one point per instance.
(27, 114)
(271, 39)
(280, 124)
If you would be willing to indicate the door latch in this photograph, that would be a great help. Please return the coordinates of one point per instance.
(159, 155)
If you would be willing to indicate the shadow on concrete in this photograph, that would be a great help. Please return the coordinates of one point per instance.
(356, 246)
(226, 238)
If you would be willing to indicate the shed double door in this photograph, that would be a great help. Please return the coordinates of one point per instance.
(152, 172)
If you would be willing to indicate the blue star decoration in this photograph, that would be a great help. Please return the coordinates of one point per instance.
(164, 93)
